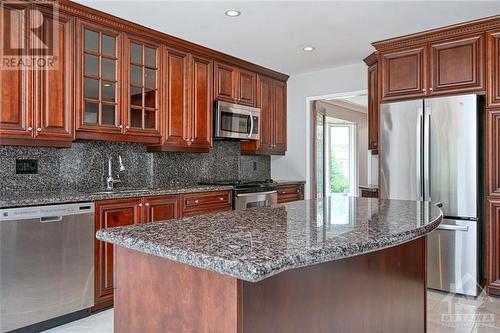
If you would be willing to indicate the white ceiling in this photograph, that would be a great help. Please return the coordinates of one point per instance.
(272, 33)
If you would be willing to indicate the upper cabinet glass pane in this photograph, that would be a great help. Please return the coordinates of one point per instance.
(136, 53)
(91, 41)
(150, 78)
(91, 65)
(108, 45)
(136, 75)
(150, 57)
(108, 69)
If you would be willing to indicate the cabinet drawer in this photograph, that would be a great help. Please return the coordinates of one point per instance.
(205, 202)
(288, 193)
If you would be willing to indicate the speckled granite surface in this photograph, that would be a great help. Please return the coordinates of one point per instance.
(58, 197)
(289, 182)
(257, 243)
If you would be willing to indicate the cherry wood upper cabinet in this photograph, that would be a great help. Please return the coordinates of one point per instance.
(36, 106)
(161, 208)
(247, 87)
(493, 66)
(235, 85)
(202, 103)
(403, 74)
(493, 155)
(271, 99)
(226, 82)
(142, 87)
(457, 66)
(373, 107)
(111, 213)
(99, 77)
(279, 123)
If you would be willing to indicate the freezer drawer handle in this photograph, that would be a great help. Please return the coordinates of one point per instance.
(453, 227)
(46, 219)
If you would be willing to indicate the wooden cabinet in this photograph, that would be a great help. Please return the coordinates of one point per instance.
(271, 99)
(206, 202)
(373, 102)
(290, 192)
(454, 66)
(187, 124)
(142, 87)
(403, 74)
(118, 92)
(493, 68)
(457, 66)
(493, 154)
(111, 213)
(235, 85)
(493, 247)
(161, 208)
(122, 212)
(36, 106)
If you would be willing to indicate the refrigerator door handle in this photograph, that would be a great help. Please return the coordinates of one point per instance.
(427, 155)
(418, 159)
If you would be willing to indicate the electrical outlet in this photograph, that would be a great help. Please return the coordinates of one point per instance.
(254, 166)
(26, 167)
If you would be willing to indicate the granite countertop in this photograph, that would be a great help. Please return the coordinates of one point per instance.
(289, 182)
(257, 243)
(68, 196)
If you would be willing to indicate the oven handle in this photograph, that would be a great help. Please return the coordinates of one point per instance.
(254, 193)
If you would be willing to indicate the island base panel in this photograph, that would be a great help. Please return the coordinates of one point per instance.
(383, 291)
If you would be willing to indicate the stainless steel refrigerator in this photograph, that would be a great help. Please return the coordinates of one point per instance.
(429, 151)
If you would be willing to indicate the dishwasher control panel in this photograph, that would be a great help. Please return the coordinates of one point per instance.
(46, 211)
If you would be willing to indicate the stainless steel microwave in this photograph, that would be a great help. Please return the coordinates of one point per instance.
(233, 121)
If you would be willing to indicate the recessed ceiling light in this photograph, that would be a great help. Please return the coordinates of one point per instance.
(308, 48)
(232, 12)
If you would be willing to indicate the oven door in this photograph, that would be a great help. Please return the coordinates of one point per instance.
(261, 199)
(236, 121)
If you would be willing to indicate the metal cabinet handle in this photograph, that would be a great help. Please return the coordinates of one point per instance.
(197, 201)
(192, 140)
(29, 129)
(430, 89)
(39, 129)
(120, 126)
(127, 127)
(147, 204)
(221, 198)
(423, 90)
(140, 205)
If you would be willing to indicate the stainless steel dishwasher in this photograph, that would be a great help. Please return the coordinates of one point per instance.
(46, 263)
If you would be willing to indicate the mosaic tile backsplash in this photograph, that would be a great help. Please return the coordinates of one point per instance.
(84, 166)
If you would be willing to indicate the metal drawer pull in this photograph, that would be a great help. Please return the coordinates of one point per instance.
(197, 201)
(46, 219)
(147, 204)
(221, 198)
(453, 227)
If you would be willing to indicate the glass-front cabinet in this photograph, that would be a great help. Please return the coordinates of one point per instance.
(99, 77)
(142, 105)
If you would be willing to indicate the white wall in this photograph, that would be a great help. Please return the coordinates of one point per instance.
(295, 164)
(361, 119)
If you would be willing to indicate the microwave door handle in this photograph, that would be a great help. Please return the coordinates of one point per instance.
(251, 124)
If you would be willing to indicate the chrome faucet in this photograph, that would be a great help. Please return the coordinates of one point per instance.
(111, 181)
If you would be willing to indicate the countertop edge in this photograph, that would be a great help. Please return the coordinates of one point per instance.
(253, 273)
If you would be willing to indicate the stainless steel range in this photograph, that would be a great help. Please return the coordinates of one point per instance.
(249, 194)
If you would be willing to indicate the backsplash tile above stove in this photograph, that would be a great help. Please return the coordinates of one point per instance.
(84, 166)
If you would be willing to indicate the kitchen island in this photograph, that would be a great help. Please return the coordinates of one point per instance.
(341, 264)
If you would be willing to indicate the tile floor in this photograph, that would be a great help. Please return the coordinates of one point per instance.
(445, 314)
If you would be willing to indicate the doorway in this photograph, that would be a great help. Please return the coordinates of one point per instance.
(339, 145)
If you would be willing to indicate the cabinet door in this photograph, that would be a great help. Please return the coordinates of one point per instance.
(142, 93)
(162, 208)
(110, 213)
(279, 122)
(226, 85)
(247, 87)
(15, 112)
(404, 74)
(457, 66)
(373, 107)
(176, 123)
(201, 103)
(493, 156)
(53, 88)
(99, 79)
(493, 68)
(493, 247)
